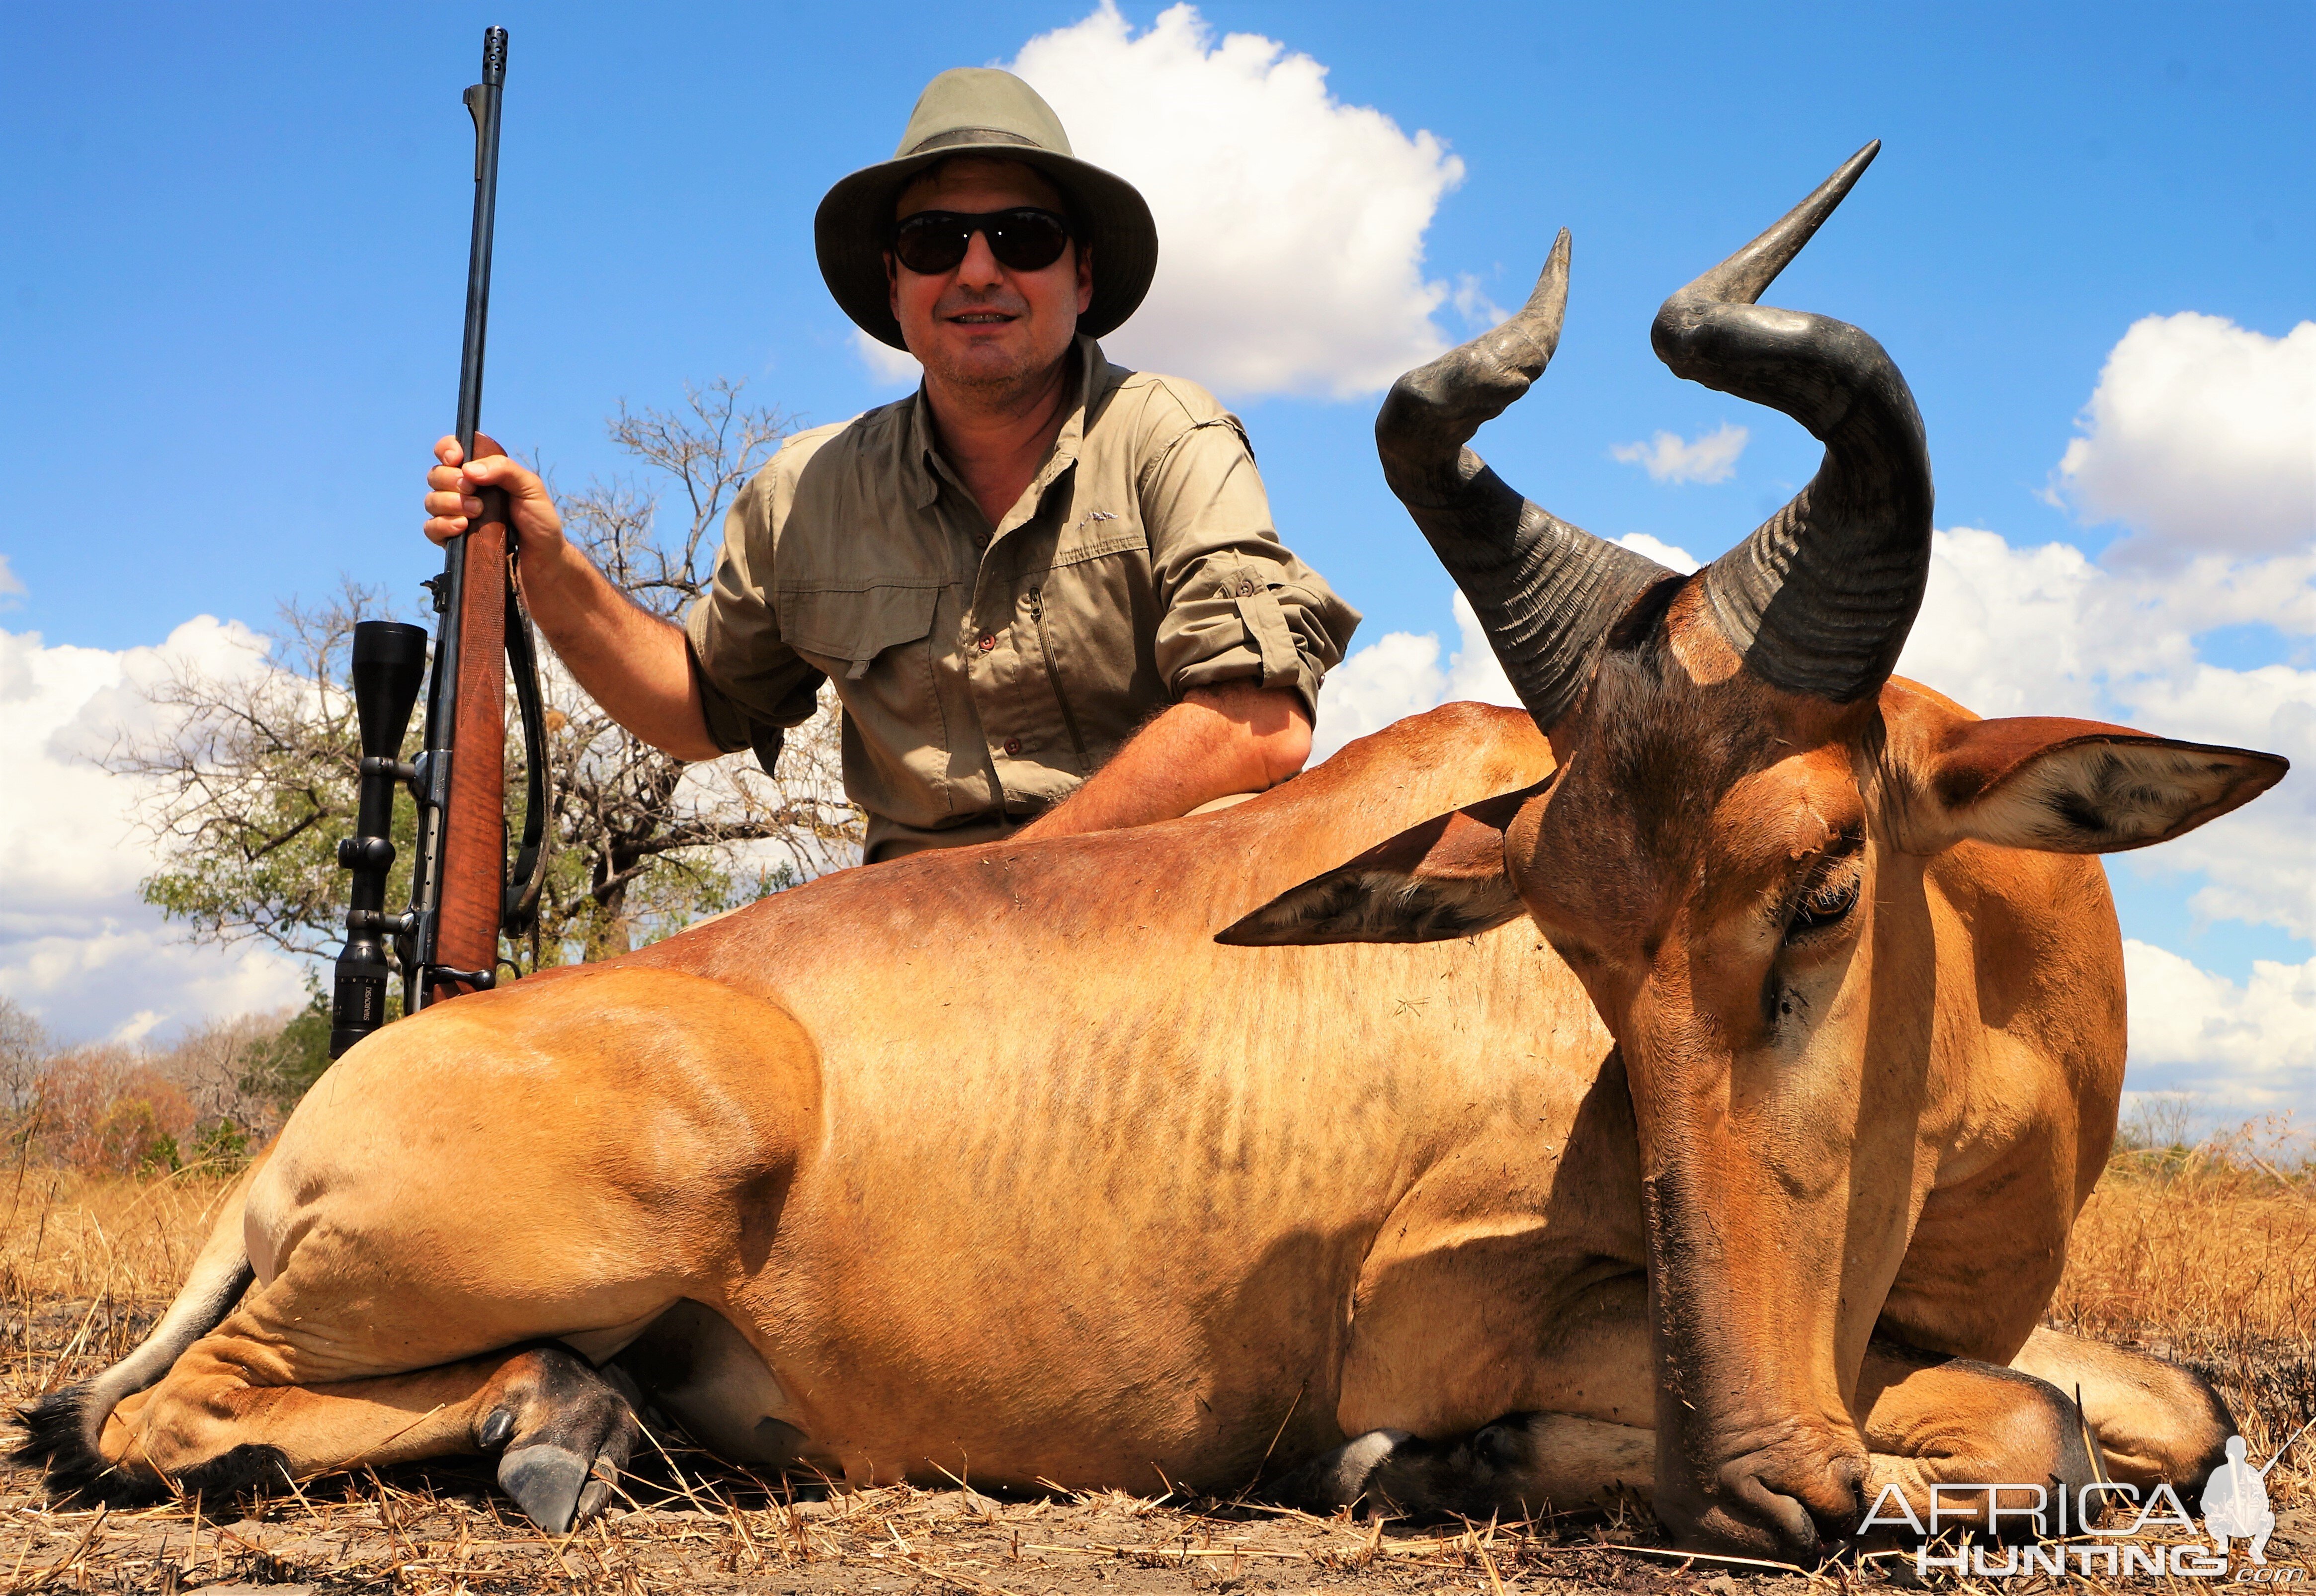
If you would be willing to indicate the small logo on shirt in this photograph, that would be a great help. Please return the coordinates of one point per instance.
(1093, 516)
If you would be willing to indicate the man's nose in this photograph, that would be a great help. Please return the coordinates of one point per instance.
(979, 269)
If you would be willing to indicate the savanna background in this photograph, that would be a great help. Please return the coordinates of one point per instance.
(229, 311)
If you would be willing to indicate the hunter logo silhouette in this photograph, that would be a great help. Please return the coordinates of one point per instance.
(2235, 1499)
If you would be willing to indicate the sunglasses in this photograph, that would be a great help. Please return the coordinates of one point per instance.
(1023, 239)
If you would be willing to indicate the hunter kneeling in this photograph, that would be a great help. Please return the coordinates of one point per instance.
(1047, 588)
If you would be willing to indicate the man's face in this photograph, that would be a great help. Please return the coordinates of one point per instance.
(982, 326)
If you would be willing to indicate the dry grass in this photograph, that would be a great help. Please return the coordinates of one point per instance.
(2208, 1257)
(2210, 1260)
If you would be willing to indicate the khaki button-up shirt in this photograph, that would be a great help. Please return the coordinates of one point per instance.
(986, 672)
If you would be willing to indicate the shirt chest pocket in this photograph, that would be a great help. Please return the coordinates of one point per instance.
(844, 631)
(875, 644)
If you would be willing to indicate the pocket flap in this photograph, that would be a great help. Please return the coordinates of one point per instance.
(855, 625)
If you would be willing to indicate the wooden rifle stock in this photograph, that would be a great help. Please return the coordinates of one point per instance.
(474, 822)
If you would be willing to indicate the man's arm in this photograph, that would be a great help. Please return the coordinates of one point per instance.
(1247, 632)
(1231, 737)
(633, 664)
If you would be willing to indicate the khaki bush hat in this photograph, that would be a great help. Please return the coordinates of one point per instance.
(980, 110)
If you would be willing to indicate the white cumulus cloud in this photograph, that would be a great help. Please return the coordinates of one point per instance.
(2242, 1051)
(886, 363)
(77, 947)
(2201, 436)
(1667, 458)
(1663, 553)
(1399, 674)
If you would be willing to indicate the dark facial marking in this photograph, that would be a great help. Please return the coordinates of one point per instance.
(1781, 1002)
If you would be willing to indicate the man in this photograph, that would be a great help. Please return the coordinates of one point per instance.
(1047, 588)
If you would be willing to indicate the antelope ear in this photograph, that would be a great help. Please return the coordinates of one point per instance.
(1442, 880)
(2077, 786)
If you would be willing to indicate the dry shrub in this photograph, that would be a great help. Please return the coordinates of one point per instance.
(108, 1111)
(118, 1108)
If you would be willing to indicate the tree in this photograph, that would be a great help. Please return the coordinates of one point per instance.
(122, 1107)
(252, 781)
(23, 1054)
(665, 842)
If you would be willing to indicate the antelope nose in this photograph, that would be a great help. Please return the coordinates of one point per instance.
(1792, 1508)
(1807, 1511)
(1805, 1525)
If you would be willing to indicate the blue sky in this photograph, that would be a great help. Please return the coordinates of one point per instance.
(229, 296)
(239, 285)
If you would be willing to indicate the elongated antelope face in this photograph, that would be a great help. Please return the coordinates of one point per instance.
(1710, 864)
(1731, 857)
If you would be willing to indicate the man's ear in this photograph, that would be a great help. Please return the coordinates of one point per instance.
(1439, 880)
(2074, 785)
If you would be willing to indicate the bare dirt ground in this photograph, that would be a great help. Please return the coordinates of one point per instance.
(2208, 1258)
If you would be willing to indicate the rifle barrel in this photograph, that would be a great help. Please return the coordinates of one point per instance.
(483, 104)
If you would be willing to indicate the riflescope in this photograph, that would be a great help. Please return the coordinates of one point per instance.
(390, 667)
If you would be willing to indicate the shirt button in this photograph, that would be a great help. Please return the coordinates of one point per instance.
(1246, 590)
(987, 642)
(1013, 745)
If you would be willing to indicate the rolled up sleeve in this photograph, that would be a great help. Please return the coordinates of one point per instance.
(1238, 605)
(751, 685)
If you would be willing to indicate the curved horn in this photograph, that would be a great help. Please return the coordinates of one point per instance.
(1546, 593)
(1820, 598)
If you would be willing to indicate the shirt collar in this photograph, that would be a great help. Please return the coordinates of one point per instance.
(1094, 380)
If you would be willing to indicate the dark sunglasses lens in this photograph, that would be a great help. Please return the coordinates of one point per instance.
(935, 242)
(1026, 240)
(931, 244)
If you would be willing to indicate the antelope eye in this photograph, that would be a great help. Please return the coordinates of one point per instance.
(1824, 903)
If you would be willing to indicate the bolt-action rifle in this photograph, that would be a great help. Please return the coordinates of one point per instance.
(461, 897)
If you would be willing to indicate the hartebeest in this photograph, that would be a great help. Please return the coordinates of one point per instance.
(1742, 1185)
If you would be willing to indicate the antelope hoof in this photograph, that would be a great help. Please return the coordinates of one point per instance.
(567, 1432)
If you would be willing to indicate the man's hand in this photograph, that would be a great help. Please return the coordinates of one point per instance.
(634, 665)
(451, 503)
(1237, 737)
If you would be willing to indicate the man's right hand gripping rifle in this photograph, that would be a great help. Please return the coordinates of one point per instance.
(631, 661)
